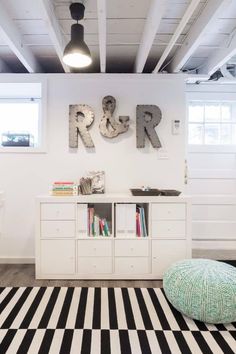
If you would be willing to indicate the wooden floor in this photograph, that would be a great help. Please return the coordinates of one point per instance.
(23, 275)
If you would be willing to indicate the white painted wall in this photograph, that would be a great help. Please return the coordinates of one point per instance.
(212, 182)
(23, 176)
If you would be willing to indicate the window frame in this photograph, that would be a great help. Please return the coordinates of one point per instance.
(204, 122)
(41, 149)
(207, 97)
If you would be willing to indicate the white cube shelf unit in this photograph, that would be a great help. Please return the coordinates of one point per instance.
(68, 246)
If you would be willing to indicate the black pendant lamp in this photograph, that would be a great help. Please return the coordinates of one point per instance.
(76, 53)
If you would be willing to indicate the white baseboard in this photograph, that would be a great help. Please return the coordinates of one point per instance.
(17, 260)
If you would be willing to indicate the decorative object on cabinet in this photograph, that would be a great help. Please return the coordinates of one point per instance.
(143, 192)
(154, 192)
(63, 224)
(169, 192)
(80, 118)
(109, 127)
(147, 118)
(98, 181)
(85, 185)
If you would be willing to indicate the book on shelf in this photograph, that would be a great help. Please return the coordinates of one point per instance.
(90, 221)
(64, 193)
(138, 231)
(141, 228)
(106, 227)
(97, 226)
(102, 227)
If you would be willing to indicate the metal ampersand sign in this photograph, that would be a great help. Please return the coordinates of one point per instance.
(81, 117)
(109, 126)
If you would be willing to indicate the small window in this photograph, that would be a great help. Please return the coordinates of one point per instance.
(211, 123)
(21, 121)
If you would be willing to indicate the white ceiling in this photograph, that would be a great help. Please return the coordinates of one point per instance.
(125, 23)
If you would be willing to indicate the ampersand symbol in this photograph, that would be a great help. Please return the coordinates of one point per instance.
(109, 127)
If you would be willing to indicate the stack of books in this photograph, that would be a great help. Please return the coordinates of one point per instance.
(97, 226)
(141, 229)
(64, 188)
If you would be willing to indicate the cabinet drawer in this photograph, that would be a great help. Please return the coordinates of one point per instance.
(94, 265)
(54, 229)
(57, 257)
(56, 211)
(137, 248)
(169, 229)
(165, 253)
(168, 211)
(131, 265)
(93, 248)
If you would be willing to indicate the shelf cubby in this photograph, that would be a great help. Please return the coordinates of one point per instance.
(126, 223)
(89, 216)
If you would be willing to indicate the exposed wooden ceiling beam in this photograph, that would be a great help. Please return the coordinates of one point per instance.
(54, 31)
(4, 68)
(11, 36)
(102, 32)
(219, 58)
(210, 14)
(155, 14)
(191, 8)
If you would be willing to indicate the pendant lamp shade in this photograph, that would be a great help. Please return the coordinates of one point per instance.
(76, 53)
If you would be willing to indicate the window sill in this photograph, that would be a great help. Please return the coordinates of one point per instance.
(221, 149)
(22, 150)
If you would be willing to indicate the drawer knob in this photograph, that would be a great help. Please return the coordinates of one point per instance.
(95, 249)
(131, 266)
(131, 249)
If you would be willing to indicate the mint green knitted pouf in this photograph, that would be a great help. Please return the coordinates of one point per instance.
(202, 289)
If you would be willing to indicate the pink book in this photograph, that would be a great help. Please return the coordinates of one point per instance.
(101, 227)
(64, 183)
(138, 224)
(88, 221)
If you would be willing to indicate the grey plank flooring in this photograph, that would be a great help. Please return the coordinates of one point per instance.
(215, 254)
(24, 275)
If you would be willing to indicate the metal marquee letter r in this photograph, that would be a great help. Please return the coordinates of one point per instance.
(147, 118)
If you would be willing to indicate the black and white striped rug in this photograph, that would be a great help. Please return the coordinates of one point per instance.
(64, 320)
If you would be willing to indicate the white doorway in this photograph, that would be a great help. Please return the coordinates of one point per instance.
(211, 168)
